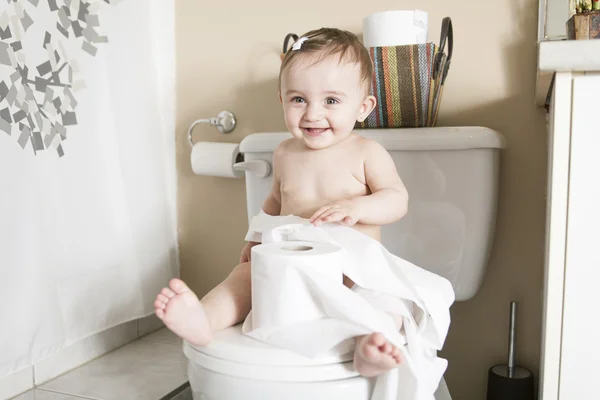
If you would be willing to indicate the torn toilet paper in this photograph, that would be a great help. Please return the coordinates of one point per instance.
(301, 304)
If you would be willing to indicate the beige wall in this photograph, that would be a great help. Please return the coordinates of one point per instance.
(228, 58)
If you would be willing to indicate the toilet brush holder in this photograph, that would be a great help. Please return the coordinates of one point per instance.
(510, 382)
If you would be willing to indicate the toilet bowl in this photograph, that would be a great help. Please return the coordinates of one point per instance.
(452, 177)
(237, 367)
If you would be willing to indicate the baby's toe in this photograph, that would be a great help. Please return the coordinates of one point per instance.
(167, 292)
(377, 339)
(178, 286)
(387, 348)
(162, 298)
(397, 354)
(371, 352)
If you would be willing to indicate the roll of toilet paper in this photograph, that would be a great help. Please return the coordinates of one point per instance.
(395, 28)
(280, 295)
(215, 159)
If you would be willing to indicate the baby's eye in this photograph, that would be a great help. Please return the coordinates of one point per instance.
(331, 100)
(297, 100)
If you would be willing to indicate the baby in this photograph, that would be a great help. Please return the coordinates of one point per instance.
(325, 173)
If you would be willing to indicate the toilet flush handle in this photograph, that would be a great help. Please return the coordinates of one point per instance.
(261, 168)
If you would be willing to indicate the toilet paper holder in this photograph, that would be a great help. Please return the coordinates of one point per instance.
(225, 122)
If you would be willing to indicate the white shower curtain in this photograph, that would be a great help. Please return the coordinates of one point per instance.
(87, 169)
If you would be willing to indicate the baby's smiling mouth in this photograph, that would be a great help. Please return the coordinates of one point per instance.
(314, 131)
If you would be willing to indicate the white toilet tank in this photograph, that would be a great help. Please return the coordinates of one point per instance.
(452, 179)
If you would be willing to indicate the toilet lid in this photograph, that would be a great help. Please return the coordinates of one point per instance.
(233, 353)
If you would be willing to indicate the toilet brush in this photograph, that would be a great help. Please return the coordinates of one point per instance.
(510, 382)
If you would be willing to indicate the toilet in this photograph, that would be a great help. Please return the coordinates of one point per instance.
(452, 178)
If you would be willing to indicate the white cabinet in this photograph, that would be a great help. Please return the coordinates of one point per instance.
(570, 367)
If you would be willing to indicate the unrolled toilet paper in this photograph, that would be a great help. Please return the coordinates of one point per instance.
(395, 28)
(330, 315)
(279, 293)
(215, 159)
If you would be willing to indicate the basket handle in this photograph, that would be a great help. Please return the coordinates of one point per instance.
(286, 41)
(440, 68)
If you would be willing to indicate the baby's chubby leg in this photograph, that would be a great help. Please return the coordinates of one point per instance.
(196, 320)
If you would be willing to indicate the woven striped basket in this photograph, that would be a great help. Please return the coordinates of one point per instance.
(408, 83)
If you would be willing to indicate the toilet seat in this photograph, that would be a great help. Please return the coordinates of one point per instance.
(233, 353)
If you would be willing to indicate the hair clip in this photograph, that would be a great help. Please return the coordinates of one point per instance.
(298, 43)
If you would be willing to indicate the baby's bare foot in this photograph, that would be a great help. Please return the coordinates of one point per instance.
(181, 311)
(374, 355)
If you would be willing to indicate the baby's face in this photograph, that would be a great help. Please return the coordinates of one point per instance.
(323, 101)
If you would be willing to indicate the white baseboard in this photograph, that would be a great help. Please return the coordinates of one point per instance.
(149, 324)
(83, 351)
(76, 355)
(16, 383)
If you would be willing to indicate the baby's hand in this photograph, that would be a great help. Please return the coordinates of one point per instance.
(345, 212)
(247, 251)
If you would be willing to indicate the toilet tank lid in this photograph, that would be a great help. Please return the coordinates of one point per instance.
(415, 139)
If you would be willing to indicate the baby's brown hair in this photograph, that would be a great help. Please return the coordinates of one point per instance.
(325, 42)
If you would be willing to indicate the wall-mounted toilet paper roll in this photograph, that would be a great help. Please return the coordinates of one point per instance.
(280, 295)
(216, 159)
(395, 28)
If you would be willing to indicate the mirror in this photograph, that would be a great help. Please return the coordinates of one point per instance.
(552, 19)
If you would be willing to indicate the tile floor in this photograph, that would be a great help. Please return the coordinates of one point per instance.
(147, 369)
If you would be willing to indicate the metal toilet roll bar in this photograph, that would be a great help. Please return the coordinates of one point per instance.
(225, 122)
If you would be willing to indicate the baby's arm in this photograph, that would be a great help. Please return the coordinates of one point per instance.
(272, 204)
(387, 203)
